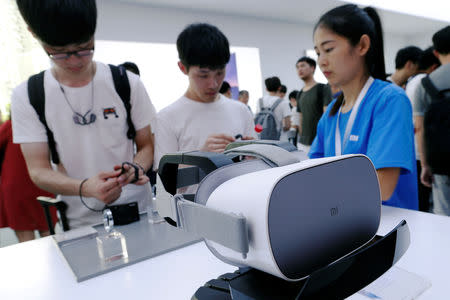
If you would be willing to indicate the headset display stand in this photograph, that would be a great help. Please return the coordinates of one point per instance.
(338, 280)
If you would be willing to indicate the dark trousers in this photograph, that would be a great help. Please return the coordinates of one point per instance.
(424, 192)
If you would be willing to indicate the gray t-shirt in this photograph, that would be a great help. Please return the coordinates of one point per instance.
(311, 108)
(441, 79)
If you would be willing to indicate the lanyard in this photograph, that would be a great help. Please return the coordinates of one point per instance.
(348, 128)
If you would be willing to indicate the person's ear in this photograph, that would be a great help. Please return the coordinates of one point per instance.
(412, 65)
(408, 65)
(436, 54)
(364, 45)
(182, 68)
(434, 67)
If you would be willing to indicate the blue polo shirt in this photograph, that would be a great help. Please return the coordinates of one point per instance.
(383, 130)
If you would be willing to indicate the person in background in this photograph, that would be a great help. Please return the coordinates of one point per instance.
(312, 101)
(19, 208)
(225, 89)
(427, 64)
(282, 91)
(295, 117)
(293, 99)
(205, 119)
(371, 116)
(243, 98)
(406, 65)
(282, 111)
(439, 180)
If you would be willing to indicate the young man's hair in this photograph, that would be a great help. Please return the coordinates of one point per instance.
(283, 89)
(243, 93)
(293, 94)
(131, 66)
(428, 59)
(410, 53)
(203, 45)
(441, 40)
(308, 60)
(273, 84)
(225, 87)
(60, 23)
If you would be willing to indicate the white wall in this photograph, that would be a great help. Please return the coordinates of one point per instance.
(423, 41)
(392, 43)
(280, 43)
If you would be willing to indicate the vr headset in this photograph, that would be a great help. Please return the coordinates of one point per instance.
(280, 213)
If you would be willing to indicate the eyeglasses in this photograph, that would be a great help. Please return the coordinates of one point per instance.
(66, 55)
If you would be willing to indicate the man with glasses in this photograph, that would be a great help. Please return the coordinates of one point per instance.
(88, 119)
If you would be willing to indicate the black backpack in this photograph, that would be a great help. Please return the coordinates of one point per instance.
(436, 126)
(36, 93)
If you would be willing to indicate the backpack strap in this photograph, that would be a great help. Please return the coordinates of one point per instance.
(320, 96)
(122, 86)
(299, 95)
(275, 104)
(430, 88)
(36, 94)
(320, 91)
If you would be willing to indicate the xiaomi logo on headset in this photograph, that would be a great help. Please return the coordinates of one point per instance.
(334, 211)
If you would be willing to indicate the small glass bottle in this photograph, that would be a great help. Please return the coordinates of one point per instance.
(111, 246)
(152, 214)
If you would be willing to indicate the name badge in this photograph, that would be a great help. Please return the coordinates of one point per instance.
(353, 138)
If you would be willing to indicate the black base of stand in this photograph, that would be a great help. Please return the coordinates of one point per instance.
(338, 280)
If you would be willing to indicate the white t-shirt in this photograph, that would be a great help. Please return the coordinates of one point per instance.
(281, 111)
(186, 124)
(295, 117)
(410, 90)
(412, 85)
(84, 151)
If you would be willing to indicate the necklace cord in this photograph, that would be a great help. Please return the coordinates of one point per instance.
(83, 117)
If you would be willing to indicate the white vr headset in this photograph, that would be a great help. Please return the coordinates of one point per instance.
(278, 214)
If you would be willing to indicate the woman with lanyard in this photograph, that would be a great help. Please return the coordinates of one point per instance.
(371, 116)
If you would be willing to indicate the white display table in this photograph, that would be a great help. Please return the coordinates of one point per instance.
(37, 270)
